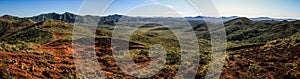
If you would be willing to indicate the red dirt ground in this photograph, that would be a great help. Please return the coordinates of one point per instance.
(59, 63)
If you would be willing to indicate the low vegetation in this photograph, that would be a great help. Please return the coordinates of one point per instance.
(43, 49)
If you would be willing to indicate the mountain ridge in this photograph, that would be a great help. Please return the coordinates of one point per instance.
(112, 19)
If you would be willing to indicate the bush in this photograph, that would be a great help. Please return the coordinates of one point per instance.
(51, 61)
(31, 36)
(281, 44)
(18, 46)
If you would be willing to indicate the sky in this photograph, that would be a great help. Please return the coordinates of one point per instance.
(244, 8)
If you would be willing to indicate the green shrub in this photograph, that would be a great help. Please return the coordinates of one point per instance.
(253, 68)
(33, 36)
(51, 61)
(18, 46)
(281, 44)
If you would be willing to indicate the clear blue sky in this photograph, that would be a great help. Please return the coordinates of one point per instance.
(246, 8)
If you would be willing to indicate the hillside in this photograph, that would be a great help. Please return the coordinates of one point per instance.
(41, 47)
(246, 31)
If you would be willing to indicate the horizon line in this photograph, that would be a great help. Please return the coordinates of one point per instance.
(298, 18)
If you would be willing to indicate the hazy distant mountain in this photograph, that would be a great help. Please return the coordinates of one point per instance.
(202, 18)
(270, 19)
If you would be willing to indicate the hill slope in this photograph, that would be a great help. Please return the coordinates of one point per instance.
(41, 47)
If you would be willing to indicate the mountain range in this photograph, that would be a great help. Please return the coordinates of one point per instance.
(238, 28)
(112, 19)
